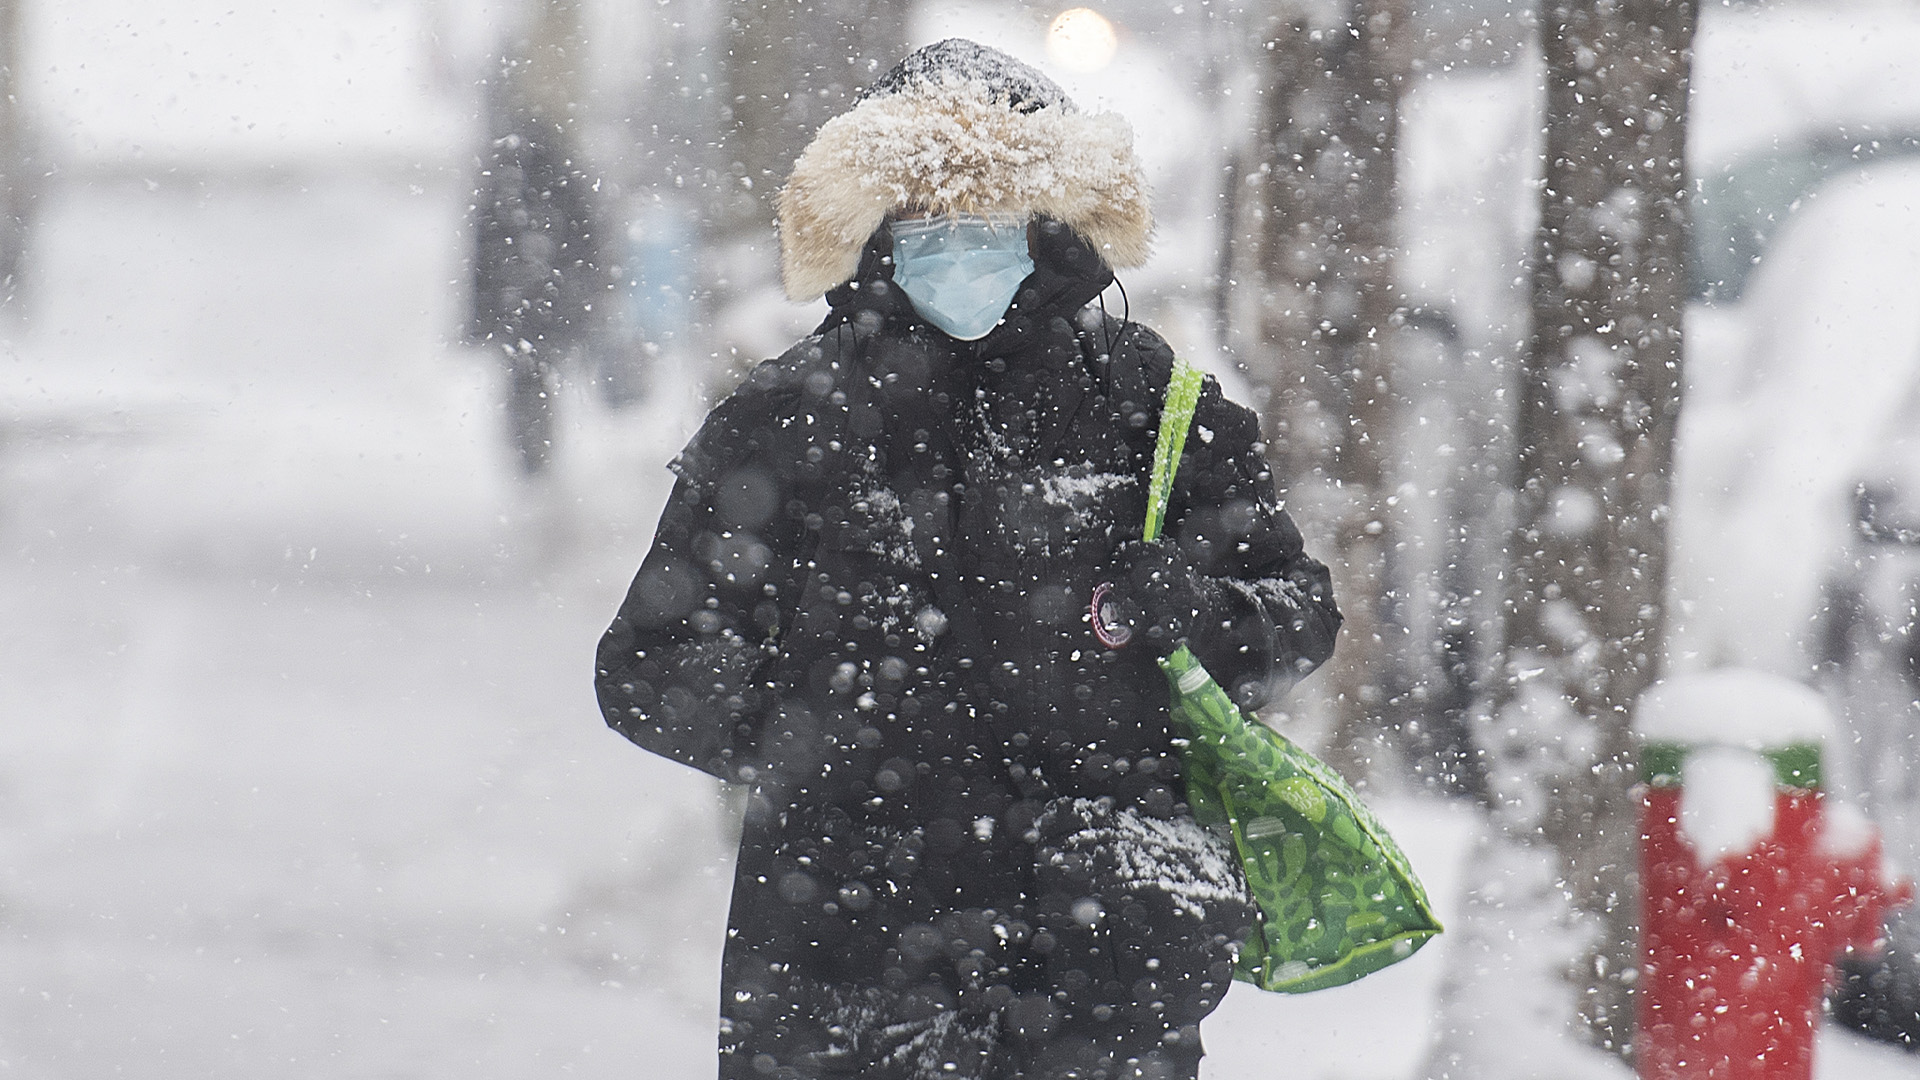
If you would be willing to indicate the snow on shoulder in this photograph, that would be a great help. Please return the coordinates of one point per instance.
(1733, 707)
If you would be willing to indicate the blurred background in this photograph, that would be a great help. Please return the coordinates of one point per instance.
(343, 344)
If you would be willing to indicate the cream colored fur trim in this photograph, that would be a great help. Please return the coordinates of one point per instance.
(948, 148)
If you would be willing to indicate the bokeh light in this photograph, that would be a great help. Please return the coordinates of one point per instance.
(1081, 39)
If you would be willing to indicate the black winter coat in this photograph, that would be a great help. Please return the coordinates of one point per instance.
(869, 599)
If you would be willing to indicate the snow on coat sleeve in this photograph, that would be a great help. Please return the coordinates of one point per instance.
(682, 669)
(1269, 616)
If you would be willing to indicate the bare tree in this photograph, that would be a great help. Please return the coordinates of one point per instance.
(1599, 397)
(1320, 211)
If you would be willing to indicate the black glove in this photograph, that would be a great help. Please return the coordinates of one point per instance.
(1152, 590)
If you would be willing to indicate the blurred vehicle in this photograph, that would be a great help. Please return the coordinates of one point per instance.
(1871, 653)
(1788, 393)
(1738, 207)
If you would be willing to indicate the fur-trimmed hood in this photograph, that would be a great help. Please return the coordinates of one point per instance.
(959, 128)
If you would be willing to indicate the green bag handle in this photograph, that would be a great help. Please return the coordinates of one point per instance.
(1176, 417)
(1235, 759)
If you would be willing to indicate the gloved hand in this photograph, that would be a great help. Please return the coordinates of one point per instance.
(1153, 591)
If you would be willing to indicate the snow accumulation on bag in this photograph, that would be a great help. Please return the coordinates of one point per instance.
(1336, 897)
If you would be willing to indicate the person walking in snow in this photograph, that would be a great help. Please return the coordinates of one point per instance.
(893, 592)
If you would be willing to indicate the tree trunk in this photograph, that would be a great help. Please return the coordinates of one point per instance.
(790, 67)
(1322, 212)
(1600, 393)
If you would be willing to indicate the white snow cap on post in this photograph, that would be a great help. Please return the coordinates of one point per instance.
(1733, 707)
(1727, 801)
(1727, 717)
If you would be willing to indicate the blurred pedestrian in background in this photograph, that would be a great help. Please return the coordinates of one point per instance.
(535, 269)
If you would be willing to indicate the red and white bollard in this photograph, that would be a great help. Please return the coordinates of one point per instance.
(1749, 885)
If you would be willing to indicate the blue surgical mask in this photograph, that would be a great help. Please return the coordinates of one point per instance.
(961, 270)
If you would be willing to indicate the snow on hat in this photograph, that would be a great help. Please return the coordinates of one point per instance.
(957, 127)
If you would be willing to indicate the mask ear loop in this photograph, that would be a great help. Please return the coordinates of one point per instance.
(1126, 315)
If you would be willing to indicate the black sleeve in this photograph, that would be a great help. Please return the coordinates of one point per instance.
(683, 669)
(1267, 613)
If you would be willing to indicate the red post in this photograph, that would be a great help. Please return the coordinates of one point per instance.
(1737, 954)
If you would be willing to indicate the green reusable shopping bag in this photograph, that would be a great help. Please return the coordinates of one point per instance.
(1336, 898)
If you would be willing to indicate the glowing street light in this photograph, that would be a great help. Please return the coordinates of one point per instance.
(1081, 39)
